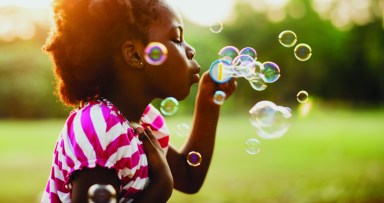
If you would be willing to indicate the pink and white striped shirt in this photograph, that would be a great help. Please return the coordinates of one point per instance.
(98, 134)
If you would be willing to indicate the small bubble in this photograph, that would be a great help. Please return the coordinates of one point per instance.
(101, 193)
(216, 27)
(155, 53)
(194, 158)
(169, 106)
(219, 97)
(287, 38)
(252, 146)
(302, 96)
(182, 129)
(303, 52)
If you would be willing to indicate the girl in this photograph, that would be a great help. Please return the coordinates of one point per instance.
(116, 136)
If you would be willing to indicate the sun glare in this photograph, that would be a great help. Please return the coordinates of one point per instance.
(205, 12)
(33, 4)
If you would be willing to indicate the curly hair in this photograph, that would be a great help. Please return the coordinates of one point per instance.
(84, 37)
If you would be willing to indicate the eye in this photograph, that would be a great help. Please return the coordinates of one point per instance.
(177, 41)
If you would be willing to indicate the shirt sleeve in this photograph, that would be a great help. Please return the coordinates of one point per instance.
(153, 118)
(97, 136)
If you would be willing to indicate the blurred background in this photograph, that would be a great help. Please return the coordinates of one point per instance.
(333, 152)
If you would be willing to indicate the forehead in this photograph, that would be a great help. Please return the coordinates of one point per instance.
(169, 18)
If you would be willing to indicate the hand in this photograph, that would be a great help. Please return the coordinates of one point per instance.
(158, 167)
(208, 87)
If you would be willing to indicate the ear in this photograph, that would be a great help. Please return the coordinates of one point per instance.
(131, 54)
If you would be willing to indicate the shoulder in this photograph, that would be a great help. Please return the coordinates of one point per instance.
(153, 118)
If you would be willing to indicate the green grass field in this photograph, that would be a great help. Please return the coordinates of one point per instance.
(328, 156)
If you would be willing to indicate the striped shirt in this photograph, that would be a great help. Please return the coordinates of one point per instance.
(98, 134)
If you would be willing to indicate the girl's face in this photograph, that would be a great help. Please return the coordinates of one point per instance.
(179, 72)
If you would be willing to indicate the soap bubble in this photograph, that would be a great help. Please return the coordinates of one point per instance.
(270, 72)
(244, 65)
(169, 106)
(249, 51)
(303, 52)
(219, 97)
(252, 146)
(270, 120)
(228, 53)
(182, 129)
(287, 38)
(101, 193)
(194, 158)
(302, 96)
(216, 27)
(257, 84)
(155, 53)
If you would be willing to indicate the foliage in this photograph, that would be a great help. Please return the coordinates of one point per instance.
(346, 65)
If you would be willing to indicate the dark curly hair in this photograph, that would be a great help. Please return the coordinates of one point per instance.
(84, 37)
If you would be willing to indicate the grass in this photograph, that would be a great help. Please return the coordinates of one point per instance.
(328, 156)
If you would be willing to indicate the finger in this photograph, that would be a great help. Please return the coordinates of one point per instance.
(148, 139)
(153, 139)
(231, 84)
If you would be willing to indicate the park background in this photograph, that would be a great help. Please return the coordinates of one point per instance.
(333, 151)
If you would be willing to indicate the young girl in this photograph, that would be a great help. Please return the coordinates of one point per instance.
(116, 136)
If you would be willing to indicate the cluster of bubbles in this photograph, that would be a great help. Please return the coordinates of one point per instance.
(244, 64)
(270, 120)
(100, 193)
(302, 51)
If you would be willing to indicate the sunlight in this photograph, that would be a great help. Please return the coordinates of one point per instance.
(19, 18)
(205, 12)
(33, 4)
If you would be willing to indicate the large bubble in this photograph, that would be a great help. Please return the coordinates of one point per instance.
(270, 121)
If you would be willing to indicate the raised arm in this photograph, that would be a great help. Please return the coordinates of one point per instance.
(187, 178)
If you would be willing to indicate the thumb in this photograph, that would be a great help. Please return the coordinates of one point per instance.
(150, 143)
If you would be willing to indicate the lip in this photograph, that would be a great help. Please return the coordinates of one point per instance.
(196, 76)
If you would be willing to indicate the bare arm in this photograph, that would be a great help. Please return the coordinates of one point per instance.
(189, 179)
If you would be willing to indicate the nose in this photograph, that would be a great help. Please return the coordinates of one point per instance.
(191, 52)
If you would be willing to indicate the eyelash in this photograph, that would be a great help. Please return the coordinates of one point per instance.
(178, 42)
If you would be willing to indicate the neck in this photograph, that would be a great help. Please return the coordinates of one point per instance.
(130, 106)
(131, 100)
